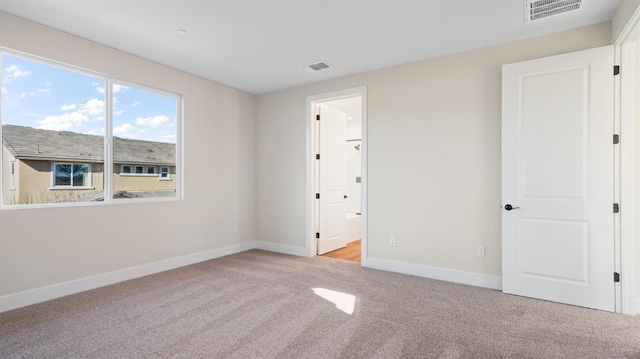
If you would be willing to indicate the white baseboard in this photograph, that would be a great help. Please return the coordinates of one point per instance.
(282, 248)
(22, 299)
(449, 275)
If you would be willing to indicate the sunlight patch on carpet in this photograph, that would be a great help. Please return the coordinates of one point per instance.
(343, 301)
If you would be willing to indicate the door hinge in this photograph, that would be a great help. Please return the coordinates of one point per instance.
(616, 139)
(317, 235)
(317, 195)
(616, 208)
(616, 70)
(616, 277)
(317, 156)
(317, 117)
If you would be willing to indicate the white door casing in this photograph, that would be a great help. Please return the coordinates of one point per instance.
(333, 180)
(557, 167)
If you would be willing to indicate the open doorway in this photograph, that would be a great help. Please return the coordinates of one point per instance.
(337, 175)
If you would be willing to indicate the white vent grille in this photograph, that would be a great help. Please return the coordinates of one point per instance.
(540, 9)
(315, 67)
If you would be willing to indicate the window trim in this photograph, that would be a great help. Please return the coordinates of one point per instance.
(168, 173)
(145, 172)
(108, 170)
(71, 187)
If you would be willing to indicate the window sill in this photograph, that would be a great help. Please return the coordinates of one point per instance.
(139, 174)
(166, 179)
(66, 188)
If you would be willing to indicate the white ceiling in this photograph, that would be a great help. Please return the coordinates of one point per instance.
(259, 45)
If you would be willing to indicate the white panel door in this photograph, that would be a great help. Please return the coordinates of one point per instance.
(333, 180)
(557, 174)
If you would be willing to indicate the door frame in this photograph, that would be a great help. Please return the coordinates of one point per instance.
(627, 162)
(311, 170)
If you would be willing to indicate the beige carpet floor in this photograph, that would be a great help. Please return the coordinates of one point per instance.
(259, 304)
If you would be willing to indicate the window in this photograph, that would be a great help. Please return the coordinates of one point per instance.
(144, 128)
(71, 175)
(165, 173)
(62, 141)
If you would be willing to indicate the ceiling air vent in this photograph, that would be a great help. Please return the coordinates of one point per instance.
(315, 67)
(540, 9)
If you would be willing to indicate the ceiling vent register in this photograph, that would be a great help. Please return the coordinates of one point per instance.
(541, 9)
(315, 67)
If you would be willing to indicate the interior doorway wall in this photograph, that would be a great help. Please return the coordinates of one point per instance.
(313, 104)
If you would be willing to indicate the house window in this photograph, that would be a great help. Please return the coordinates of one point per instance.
(12, 185)
(71, 175)
(63, 111)
(165, 173)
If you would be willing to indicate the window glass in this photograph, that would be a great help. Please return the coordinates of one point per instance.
(145, 132)
(51, 114)
(76, 175)
(164, 172)
(54, 127)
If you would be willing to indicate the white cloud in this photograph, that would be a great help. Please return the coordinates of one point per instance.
(69, 107)
(42, 91)
(100, 90)
(75, 115)
(117, 113)
(5, 91)
(62, 122)
(152, 121)
(118, 88)
(93, 107)
(13, 72)
(135, 104)
(125, 130)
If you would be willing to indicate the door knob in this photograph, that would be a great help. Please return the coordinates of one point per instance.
(509, 207)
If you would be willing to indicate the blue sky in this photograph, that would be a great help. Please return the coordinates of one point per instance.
(47, 97)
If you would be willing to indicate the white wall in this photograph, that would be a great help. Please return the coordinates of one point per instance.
(433, 157)
(622, 16)
(219, 152)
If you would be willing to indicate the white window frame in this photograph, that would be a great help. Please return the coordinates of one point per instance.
(162, 172)
(71, 187)
(144, 173)
(108, 171)
(12, 181)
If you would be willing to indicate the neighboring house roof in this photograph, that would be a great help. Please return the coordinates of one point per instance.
(31, 143)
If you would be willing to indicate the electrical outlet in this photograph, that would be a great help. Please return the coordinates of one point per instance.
(482, 251)
(392, 241)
